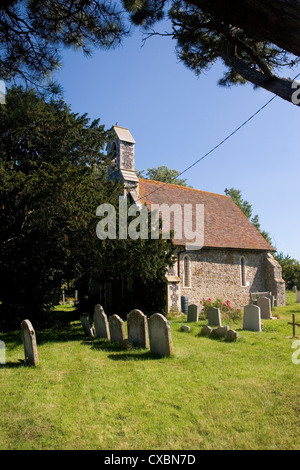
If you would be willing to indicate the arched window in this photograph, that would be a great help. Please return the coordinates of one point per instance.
(243, 271)
(186, 272)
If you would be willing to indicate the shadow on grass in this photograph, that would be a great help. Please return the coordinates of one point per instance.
(142, 355)
(15, 365)
(133, 353)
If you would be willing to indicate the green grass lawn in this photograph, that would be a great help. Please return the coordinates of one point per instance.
(91, 394)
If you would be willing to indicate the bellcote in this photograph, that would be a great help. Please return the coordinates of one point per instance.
(121, 151)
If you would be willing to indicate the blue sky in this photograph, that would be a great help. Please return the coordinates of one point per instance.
(176, 118)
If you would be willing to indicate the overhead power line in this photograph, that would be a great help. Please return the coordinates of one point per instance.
(220, 143)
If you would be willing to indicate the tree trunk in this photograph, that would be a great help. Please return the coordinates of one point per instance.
(276, 21)
(283, 87)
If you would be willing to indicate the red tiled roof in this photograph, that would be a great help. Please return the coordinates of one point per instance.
(225, 225)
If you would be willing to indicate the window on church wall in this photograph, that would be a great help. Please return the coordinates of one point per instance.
(243, 271)
(186, 272)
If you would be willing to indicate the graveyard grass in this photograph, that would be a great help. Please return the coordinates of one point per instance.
(92, 394)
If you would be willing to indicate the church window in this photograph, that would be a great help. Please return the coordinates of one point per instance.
(243, 271)
(186, 272)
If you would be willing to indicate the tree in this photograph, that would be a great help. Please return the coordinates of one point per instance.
(164, 174)
(32, 34)
(246, 208)
(52, 179)
(290, 270)
(253, 39)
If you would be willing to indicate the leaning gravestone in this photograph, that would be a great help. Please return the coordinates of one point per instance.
(264, 303)
(87, 328)
(101, 323)
(193, 313)
(214, 316)
(137, 326)
(29, 343)
(252, 319)
(116, 329)
(160, 335)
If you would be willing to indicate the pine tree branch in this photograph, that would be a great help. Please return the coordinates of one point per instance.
(279, 86)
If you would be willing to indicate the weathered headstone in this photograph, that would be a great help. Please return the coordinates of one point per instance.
(295, 289)
(219, 332)
(252, 318)
(137, 326)
(214, 316)
(231, 335)
(160, 335)
(29, 343)
(264, 303)
(206, 330)
(185, 328)
(116, 329)
(298, 297)
(193, 313)
(101, 323)
(2, 353)
(87, 327)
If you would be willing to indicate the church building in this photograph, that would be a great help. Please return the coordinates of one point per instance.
(233, 261)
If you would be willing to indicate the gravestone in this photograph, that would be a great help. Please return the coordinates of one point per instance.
(87, 327)
(252, 319)
(264, 303)
(295, 289)
(116, 329)
(160, 335)
(193, 313)
(29, 343)
(101, 323)
(298, 297)
(206, 330)
(231, 335)
(185, 328)
(214, 316)
(219, 332)
(137, 326)
(2, 353)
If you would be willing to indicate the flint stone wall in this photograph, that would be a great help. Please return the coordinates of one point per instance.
(216, 273)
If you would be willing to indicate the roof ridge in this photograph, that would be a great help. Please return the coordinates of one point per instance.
(183, 187)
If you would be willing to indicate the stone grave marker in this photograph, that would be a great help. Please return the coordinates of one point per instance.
(29, 343)
(214, 316)
(298, 296)
(264, 303)
(137, 326)
(116, 329)
(160, 335)
(87, 327)
(2, 353)
(219, 332)
(193, 313)
(294, 289)
(252, 318)
(101, 323)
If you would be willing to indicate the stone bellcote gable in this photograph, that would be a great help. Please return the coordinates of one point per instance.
(121, 151)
